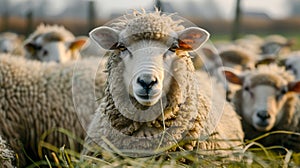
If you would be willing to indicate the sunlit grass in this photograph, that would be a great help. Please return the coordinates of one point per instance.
(252, 154)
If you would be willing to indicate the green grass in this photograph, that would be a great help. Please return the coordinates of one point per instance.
(251, 155)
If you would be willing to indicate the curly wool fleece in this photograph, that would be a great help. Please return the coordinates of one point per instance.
(37, 97)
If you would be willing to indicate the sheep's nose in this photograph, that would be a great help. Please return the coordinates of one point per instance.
(147, 81)
(264, 115)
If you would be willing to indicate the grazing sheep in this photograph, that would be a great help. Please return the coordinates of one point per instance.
(268, 101)
(11, 43)
(292, 63)
(7, 156)
(233, 57)
(38, 97)
(150, 73)
(53, 43)
(250, 42)
(277, 45)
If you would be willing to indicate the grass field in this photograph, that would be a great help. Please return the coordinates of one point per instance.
(251, 154)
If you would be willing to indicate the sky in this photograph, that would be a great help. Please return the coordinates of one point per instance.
(275, 8)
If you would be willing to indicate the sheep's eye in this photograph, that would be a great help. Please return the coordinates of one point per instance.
(247, 88)
(288, 67)
(45, 53)
(121, 47)
(283, 91)
(174, 46)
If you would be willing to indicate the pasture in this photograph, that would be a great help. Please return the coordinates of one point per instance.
(83, 92)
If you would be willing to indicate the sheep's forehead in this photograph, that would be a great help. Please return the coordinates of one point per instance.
(266, 79)
(294, 58)
(149, 26)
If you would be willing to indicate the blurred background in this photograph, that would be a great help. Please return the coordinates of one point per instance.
(225, 19)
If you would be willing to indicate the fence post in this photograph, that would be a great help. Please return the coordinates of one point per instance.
(237, 21)
(91, 15)
(29, 22)
(5, 19)
(5, 16)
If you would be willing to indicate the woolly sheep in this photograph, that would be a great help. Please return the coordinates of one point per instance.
(38, 97)
(276, 44)
(53, 43)
(268, 101)
(7, 156)
(150, 73)
(235, 57)
(11, 43)
(292, 63)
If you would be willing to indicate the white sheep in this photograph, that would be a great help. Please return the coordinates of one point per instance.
(150, 73)
(292, 63)
(277, 45)
(53, 43)
(11, 43)
(7, 156)
(268, 101)
(37, 97)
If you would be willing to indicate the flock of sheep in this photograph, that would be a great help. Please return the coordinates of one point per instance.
(158, 87)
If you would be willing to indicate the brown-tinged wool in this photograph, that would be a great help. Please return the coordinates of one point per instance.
(187, 112)
(7, 156)
(274, 76)
(37, 97)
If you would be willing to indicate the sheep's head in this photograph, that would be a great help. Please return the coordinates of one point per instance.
(292, 63)
(9, 42)
(53, 46)
(148, 51)
(264, 95)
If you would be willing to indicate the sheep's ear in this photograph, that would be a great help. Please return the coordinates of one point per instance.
(78, 43)
(192, 38)
(105, 37)
(294, 86)
(231, 76)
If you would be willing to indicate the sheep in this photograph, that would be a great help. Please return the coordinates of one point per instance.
(154, 100)
(53, 43)
(234, 57)
(291, 62)
(7, 156)
(277, 45)
(11, 43)
(38, 97)
(268, 101)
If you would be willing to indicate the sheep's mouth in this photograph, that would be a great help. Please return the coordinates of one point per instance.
(263, 125)
(148, 99)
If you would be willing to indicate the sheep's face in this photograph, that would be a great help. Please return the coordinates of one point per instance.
(6, 46)
(51, 47)
(271, 48)
(292, 64)
(148, 61)
(261, 107)
(263, 98)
